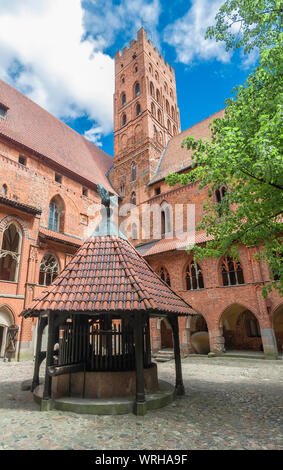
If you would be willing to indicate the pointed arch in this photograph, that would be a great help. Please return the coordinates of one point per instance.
(10, 252)
(193, 276)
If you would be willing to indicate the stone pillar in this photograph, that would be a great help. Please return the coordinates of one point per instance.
(217, 341)
(269, 343)
(179, 387)
(140, 405)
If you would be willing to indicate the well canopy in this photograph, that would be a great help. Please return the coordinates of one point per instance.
(108, 275)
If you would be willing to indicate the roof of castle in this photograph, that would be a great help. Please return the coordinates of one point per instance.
(42, 133)
(174, 158)
(108, 275)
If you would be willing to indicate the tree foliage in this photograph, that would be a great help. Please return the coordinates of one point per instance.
(244, 154)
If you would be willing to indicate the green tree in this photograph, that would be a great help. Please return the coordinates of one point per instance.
(244, 154)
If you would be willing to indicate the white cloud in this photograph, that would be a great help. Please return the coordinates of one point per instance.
(94, 134)
(105, 19)
(43, 55)
(187, 34)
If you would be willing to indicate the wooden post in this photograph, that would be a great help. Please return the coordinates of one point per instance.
(49, 362)
(140, 405)
(179, 387)
(37, 361)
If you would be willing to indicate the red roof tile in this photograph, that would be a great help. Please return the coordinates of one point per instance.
(107, 274)
(59, 237)
(31, 126)
(175, 158)
(174, 243)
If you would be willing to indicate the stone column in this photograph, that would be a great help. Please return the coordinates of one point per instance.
(140, 405)
(217, 341)
(179, 387)
(269, 343)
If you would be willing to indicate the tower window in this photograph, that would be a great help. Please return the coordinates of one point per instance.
(137, 89)
(123, 99)
(124, 119)
(133, 172)
(151, 89)
(157, 190)
(133, 198)
(84, 191)
(138, 109)
(3, 111)
(4, 190)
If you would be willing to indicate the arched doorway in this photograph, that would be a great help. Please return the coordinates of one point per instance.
(199, 335)
(166, 334)
(278, 328)
(6, 320)
(241, 330)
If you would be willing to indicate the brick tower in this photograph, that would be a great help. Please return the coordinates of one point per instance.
(146, 116)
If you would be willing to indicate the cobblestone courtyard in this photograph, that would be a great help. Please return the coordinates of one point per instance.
(230, 403)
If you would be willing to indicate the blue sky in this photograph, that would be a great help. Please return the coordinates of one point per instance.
(60, 54)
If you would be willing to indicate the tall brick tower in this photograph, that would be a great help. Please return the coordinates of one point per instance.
(146, 116)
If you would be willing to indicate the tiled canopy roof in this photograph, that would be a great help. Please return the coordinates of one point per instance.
(107, 274)
(175, 158)
(34, 128)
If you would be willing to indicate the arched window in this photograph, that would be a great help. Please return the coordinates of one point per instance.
(124, 119)
(10, 252)
(153, 109)
(164, 275)
(159, 117)
(123, 99)
(133, 198)
(166, 213)
(220, 194)
(138, 109)
(158, 96)
(150, 69)
(169, 126)
(137, 89)
(4, 190)
(174, 130)
(49, 269)
(56, 214)
(151, 89)
(194, 279)
(122, 190)
(134, 231)
(232, 273)
(167, 107)
(172, 112)
(133, 172)
(156, 76)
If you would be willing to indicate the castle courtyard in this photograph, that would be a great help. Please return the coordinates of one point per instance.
(230, 403)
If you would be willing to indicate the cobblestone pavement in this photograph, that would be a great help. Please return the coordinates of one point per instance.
(230, 403)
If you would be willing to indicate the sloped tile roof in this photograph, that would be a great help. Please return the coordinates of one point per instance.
(20, 205)
(175, 158)
(107, 274)
(59, 237)
(34, 128)
(174, 243)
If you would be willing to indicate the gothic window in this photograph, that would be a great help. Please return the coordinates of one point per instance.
(232, 273)
(138, 109)
(133, 172)
(4, 190)
(156, 76)
(123, 99)
(10, 253)
(220, 194)
(167, 107)
(169, 126)
(166, 87)
(49, 268)
(153, 109)
(174, 130)
(150, 69)
(122, 190)
(172, 112)
(159, 115)
(133, 198)
(158, 96)
(137, 89)
(151, 89)
(165, 219)
(124, 119)
(134, 231)
(194, 279)
(56, 214)
(164, 275)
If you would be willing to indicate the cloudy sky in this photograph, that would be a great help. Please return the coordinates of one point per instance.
(60, 54)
